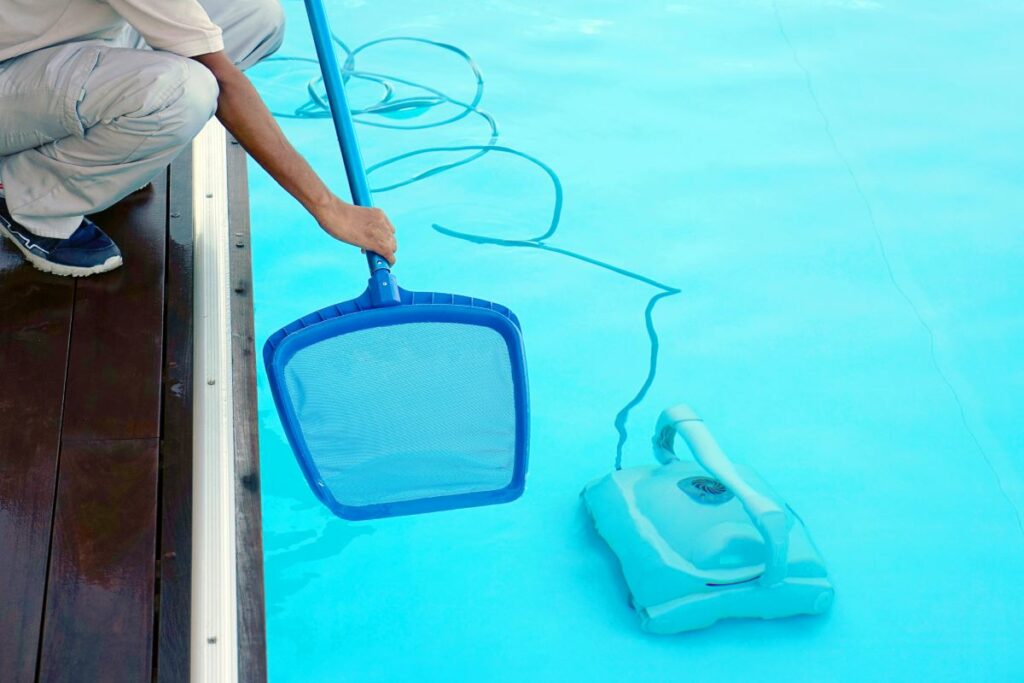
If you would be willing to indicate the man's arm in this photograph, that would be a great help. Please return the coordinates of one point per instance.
(244, 114)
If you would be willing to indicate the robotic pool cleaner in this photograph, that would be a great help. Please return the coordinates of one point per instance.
(705, 540)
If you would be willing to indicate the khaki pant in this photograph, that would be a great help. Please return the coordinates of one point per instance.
(83, 124)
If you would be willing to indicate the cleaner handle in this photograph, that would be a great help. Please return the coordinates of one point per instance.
(766, 514)
(383, 288)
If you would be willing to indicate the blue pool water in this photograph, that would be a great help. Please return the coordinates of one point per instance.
(819, 205)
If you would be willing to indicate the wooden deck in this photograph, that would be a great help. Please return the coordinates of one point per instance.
(96, 455)
(252, 638)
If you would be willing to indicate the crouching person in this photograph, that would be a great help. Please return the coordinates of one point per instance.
(97, 98)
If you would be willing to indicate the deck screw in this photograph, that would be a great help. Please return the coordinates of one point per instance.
(211, 382)
(239, 244)
(209, 195)
(211, 640)
(175, 214)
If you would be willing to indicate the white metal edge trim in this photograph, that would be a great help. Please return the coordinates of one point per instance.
(214, 629)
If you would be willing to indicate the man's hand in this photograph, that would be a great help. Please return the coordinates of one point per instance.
(360, 226)
(243, 113)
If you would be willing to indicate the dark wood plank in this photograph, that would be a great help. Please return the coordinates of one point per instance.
(35, 324)
(175, 558)
(99, 612)
(114, 372)
(99, 606)
(252, 639)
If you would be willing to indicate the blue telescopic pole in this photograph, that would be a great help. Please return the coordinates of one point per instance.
(383, 288)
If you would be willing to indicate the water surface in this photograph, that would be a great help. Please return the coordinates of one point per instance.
(823, 201)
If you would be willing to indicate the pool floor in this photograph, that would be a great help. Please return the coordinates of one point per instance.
(825, 203)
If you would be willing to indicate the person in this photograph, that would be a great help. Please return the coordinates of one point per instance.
(97, 97)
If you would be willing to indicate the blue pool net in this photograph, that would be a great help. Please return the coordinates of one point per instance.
(405, 412)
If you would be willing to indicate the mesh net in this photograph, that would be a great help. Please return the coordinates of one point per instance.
(409, 411)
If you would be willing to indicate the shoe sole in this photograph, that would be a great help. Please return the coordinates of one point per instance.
(57, 268)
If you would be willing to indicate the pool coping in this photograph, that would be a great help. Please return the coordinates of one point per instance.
(228, 641)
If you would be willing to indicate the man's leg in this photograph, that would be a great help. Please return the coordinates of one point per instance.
(101, 122)
(253, 29)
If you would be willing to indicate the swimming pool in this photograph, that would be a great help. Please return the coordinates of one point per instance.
(822, 200)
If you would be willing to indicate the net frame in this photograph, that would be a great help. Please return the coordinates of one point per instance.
(416, 307)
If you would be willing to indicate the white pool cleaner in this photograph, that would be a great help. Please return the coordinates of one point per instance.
(706, 540)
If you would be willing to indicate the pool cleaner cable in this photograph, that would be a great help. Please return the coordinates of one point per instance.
(390, 106)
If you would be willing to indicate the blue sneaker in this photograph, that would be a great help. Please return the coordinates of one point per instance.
(87, 252)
